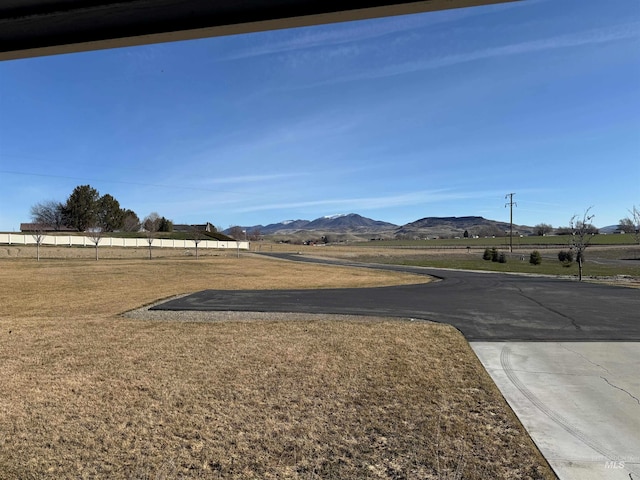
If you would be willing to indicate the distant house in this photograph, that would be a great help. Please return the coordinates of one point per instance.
(205, 227)
(41, 227)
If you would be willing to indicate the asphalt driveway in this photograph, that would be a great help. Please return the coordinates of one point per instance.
(483, 306)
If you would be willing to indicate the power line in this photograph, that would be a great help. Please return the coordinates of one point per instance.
(123, 182)
(510, 204)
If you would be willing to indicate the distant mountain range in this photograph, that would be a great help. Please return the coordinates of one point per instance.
(353, 226)
(346, 223)
(609, 229)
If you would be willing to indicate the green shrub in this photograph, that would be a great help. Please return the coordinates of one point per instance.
(566, 257)
(487, 254)
(494, 254)
(502, 258)
(535, 258)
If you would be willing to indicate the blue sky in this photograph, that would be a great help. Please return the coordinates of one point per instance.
(436, 114)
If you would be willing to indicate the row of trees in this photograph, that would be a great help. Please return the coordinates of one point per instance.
(86, 210)
(629, 224)
(543, 229)
(582, 231)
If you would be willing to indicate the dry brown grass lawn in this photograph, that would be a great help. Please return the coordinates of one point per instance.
(86, 393)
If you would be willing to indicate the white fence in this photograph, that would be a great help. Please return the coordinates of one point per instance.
(83, 241)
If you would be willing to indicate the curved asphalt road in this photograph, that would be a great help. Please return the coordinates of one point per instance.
(483, 306)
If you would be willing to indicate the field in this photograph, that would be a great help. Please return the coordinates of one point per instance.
(528, 242)
(597, 265)
(602, 262)
(90, 393)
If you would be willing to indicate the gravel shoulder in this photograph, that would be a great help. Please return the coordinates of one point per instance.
(144, 313)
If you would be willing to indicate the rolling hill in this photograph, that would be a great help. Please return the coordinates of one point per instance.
(456, 226)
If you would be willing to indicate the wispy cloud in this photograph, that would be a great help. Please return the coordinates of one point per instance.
(591, 37)
(244, 179)
(274, 143)
(377, 202)
(306, 38)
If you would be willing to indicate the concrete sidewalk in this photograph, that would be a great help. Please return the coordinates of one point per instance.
(579, 401)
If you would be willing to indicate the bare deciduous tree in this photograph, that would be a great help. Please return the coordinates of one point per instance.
(95, 234)
(626, 225)
(38, 236)
(151, 224)
(581, 236)
(631, 224)
(237, 233)
(255, 235)
(131, 222)
(197, 235)
(543, 229)
(49, 213)
(634, 220)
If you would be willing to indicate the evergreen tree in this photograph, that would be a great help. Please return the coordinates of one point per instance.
(80, 211)
(110, 215)
(535, 258)
(165, 225)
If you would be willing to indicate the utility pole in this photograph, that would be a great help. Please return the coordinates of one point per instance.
(510, 204)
